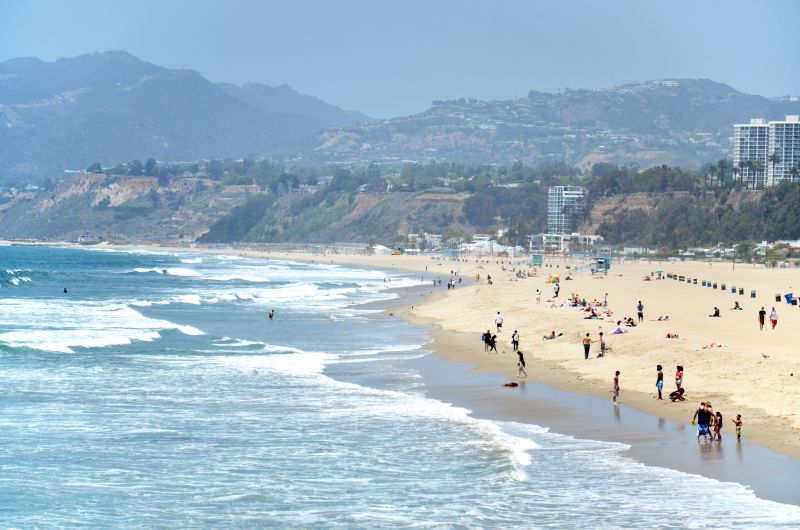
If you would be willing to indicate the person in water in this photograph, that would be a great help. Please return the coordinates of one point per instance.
(271, 314)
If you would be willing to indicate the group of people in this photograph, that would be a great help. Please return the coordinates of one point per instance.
(773, 318)
(709, 423)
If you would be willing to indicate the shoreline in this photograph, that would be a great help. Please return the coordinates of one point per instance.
(452, 344)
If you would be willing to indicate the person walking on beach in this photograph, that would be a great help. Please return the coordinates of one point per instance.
(498, 321)
(659, 380)
(602, 345)
(514, 341)
(521, 365)
(587, 343)
(640, 311)
(486, 338)
(761, 316)
(773, 318)
(616, 388)
(493, 343)
(738, 424)
(556, 289)
(679, 376)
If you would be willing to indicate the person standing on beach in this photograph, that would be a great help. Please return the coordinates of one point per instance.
(587, 343)
(738, 423)
(521, 365)
(538, 296)
(659, 380)
(773, 318)
(702, 416)
(761, 316)
(679, 376)
(605, 300)
(486, 338)
(602, 345)
(616, 388)
(640, 311)
(498, 321)
(514, 341)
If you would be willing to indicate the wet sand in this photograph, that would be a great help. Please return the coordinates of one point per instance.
(653, 440)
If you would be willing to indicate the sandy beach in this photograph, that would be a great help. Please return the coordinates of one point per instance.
(754, 373)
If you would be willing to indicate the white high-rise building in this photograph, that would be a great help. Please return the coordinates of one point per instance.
(565, 207)
(783, 158)
(750, 151)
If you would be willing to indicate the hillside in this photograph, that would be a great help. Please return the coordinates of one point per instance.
(287, 100)
(112, 107)
(120, 209)
(683, 122)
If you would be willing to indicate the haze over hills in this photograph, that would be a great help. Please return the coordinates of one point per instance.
(285, 99)
(112, 107)
(685, 122)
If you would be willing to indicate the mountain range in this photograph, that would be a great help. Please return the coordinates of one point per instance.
(111, 107)
(685, 122)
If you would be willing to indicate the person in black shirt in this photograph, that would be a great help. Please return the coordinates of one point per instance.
(703, 417)
(761, 316)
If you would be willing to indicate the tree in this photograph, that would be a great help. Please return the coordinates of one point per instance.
(215, 170)
(722, 167)
(150, 167)
(713, 171)
(95, 168)
(135, 167)
(774, 159)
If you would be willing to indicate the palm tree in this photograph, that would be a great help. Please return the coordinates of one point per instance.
(758, 169)
(712, 170)
(722, 165)
(735, 173)
(742, 166)
(774, 158)
(795, 171)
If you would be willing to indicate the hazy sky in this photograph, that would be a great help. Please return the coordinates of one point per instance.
(389, 58)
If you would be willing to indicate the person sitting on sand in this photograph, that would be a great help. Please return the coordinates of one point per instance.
(671, 335)
(551, 336)
(716, 313)
(736, 307)
(677, 395)
(662, 319)
(619, 331)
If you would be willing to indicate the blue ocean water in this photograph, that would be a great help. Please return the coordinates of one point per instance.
(156, 393)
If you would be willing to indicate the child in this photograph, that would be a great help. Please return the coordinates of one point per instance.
(717, 427)
(738, 423)
(659, 380)
(676, 395)
(602, 345)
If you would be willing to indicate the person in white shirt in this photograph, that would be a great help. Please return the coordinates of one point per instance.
(498, 320)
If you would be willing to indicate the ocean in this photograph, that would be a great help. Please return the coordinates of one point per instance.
(157, 393)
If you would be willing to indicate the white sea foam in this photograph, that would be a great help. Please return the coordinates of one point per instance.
(192, 261)
(62, 325)
(171, 271)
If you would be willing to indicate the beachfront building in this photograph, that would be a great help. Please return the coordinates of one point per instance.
(750, 151)
(783, 160)
(767, 153)
(565, 207)
(564, 243)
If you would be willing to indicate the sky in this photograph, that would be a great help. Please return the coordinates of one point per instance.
(393, 57)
